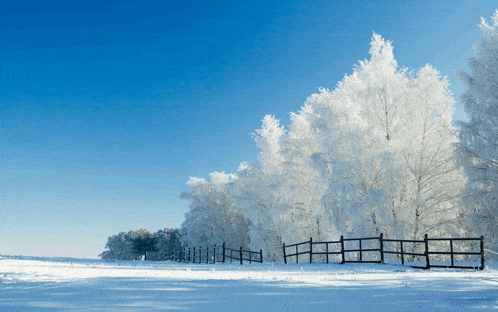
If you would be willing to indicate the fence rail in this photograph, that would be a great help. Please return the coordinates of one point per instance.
(213, 254)
(377, 254)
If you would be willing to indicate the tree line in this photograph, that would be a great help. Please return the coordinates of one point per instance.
(379, 153)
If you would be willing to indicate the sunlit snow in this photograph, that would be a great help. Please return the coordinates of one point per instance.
(50, 284)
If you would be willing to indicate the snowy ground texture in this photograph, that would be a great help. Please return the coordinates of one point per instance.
(52, 284)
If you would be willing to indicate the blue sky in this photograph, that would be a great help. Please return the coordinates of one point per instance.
(107, 108)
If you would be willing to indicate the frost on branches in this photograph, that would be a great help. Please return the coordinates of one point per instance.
(134, 244)
(478, 148)
(373, 155)
(213, 218)
(386, 150)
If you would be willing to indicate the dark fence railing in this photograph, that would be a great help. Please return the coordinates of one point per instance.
(360, 250)
(402, 251)
(241, 255)
(375, 254)
(213, 254)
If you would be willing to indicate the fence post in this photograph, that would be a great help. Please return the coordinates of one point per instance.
(194, 256)
(427, 261)
(342, 249)
(223, 252)
(240, 250)
(381, 240)
(401, 249)
(285, 257)
(482, 253)
(327, 251)
(207, 254)
(451, 252)
(261, 255)
(297, 255)
(311, 248)
(214, 254)
(361, 257)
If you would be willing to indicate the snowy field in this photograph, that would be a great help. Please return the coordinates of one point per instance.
(64, 284)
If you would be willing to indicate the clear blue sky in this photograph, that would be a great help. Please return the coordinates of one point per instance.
(108, 107)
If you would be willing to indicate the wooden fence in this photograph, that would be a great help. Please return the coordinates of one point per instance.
(213, 254)
(375, 254)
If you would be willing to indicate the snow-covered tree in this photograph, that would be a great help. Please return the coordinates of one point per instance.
(120, 247)
(144, 242)
(257, 201)
(281, 195)
(301, 188)
(254, 190)
(132, 245)
(386, 149)
(478, 148)
(436, 184)
(167, 239)
(213, 217)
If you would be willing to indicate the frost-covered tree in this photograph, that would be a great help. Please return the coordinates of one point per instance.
(386, 149)
(256, 186)
(478, 148)
(167, 239)
(144, 242)
(132, 245)
(436, 184)
(281, 195)
(213, 217)
(302, 187)
(120, 247)
(256, 200)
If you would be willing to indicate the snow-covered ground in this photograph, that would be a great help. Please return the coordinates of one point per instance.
(51, 284)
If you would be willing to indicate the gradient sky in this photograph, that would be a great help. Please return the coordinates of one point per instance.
(108, 107)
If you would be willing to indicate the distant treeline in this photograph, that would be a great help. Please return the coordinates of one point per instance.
(141, 244)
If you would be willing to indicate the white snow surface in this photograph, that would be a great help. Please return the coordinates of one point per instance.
(65, 284)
